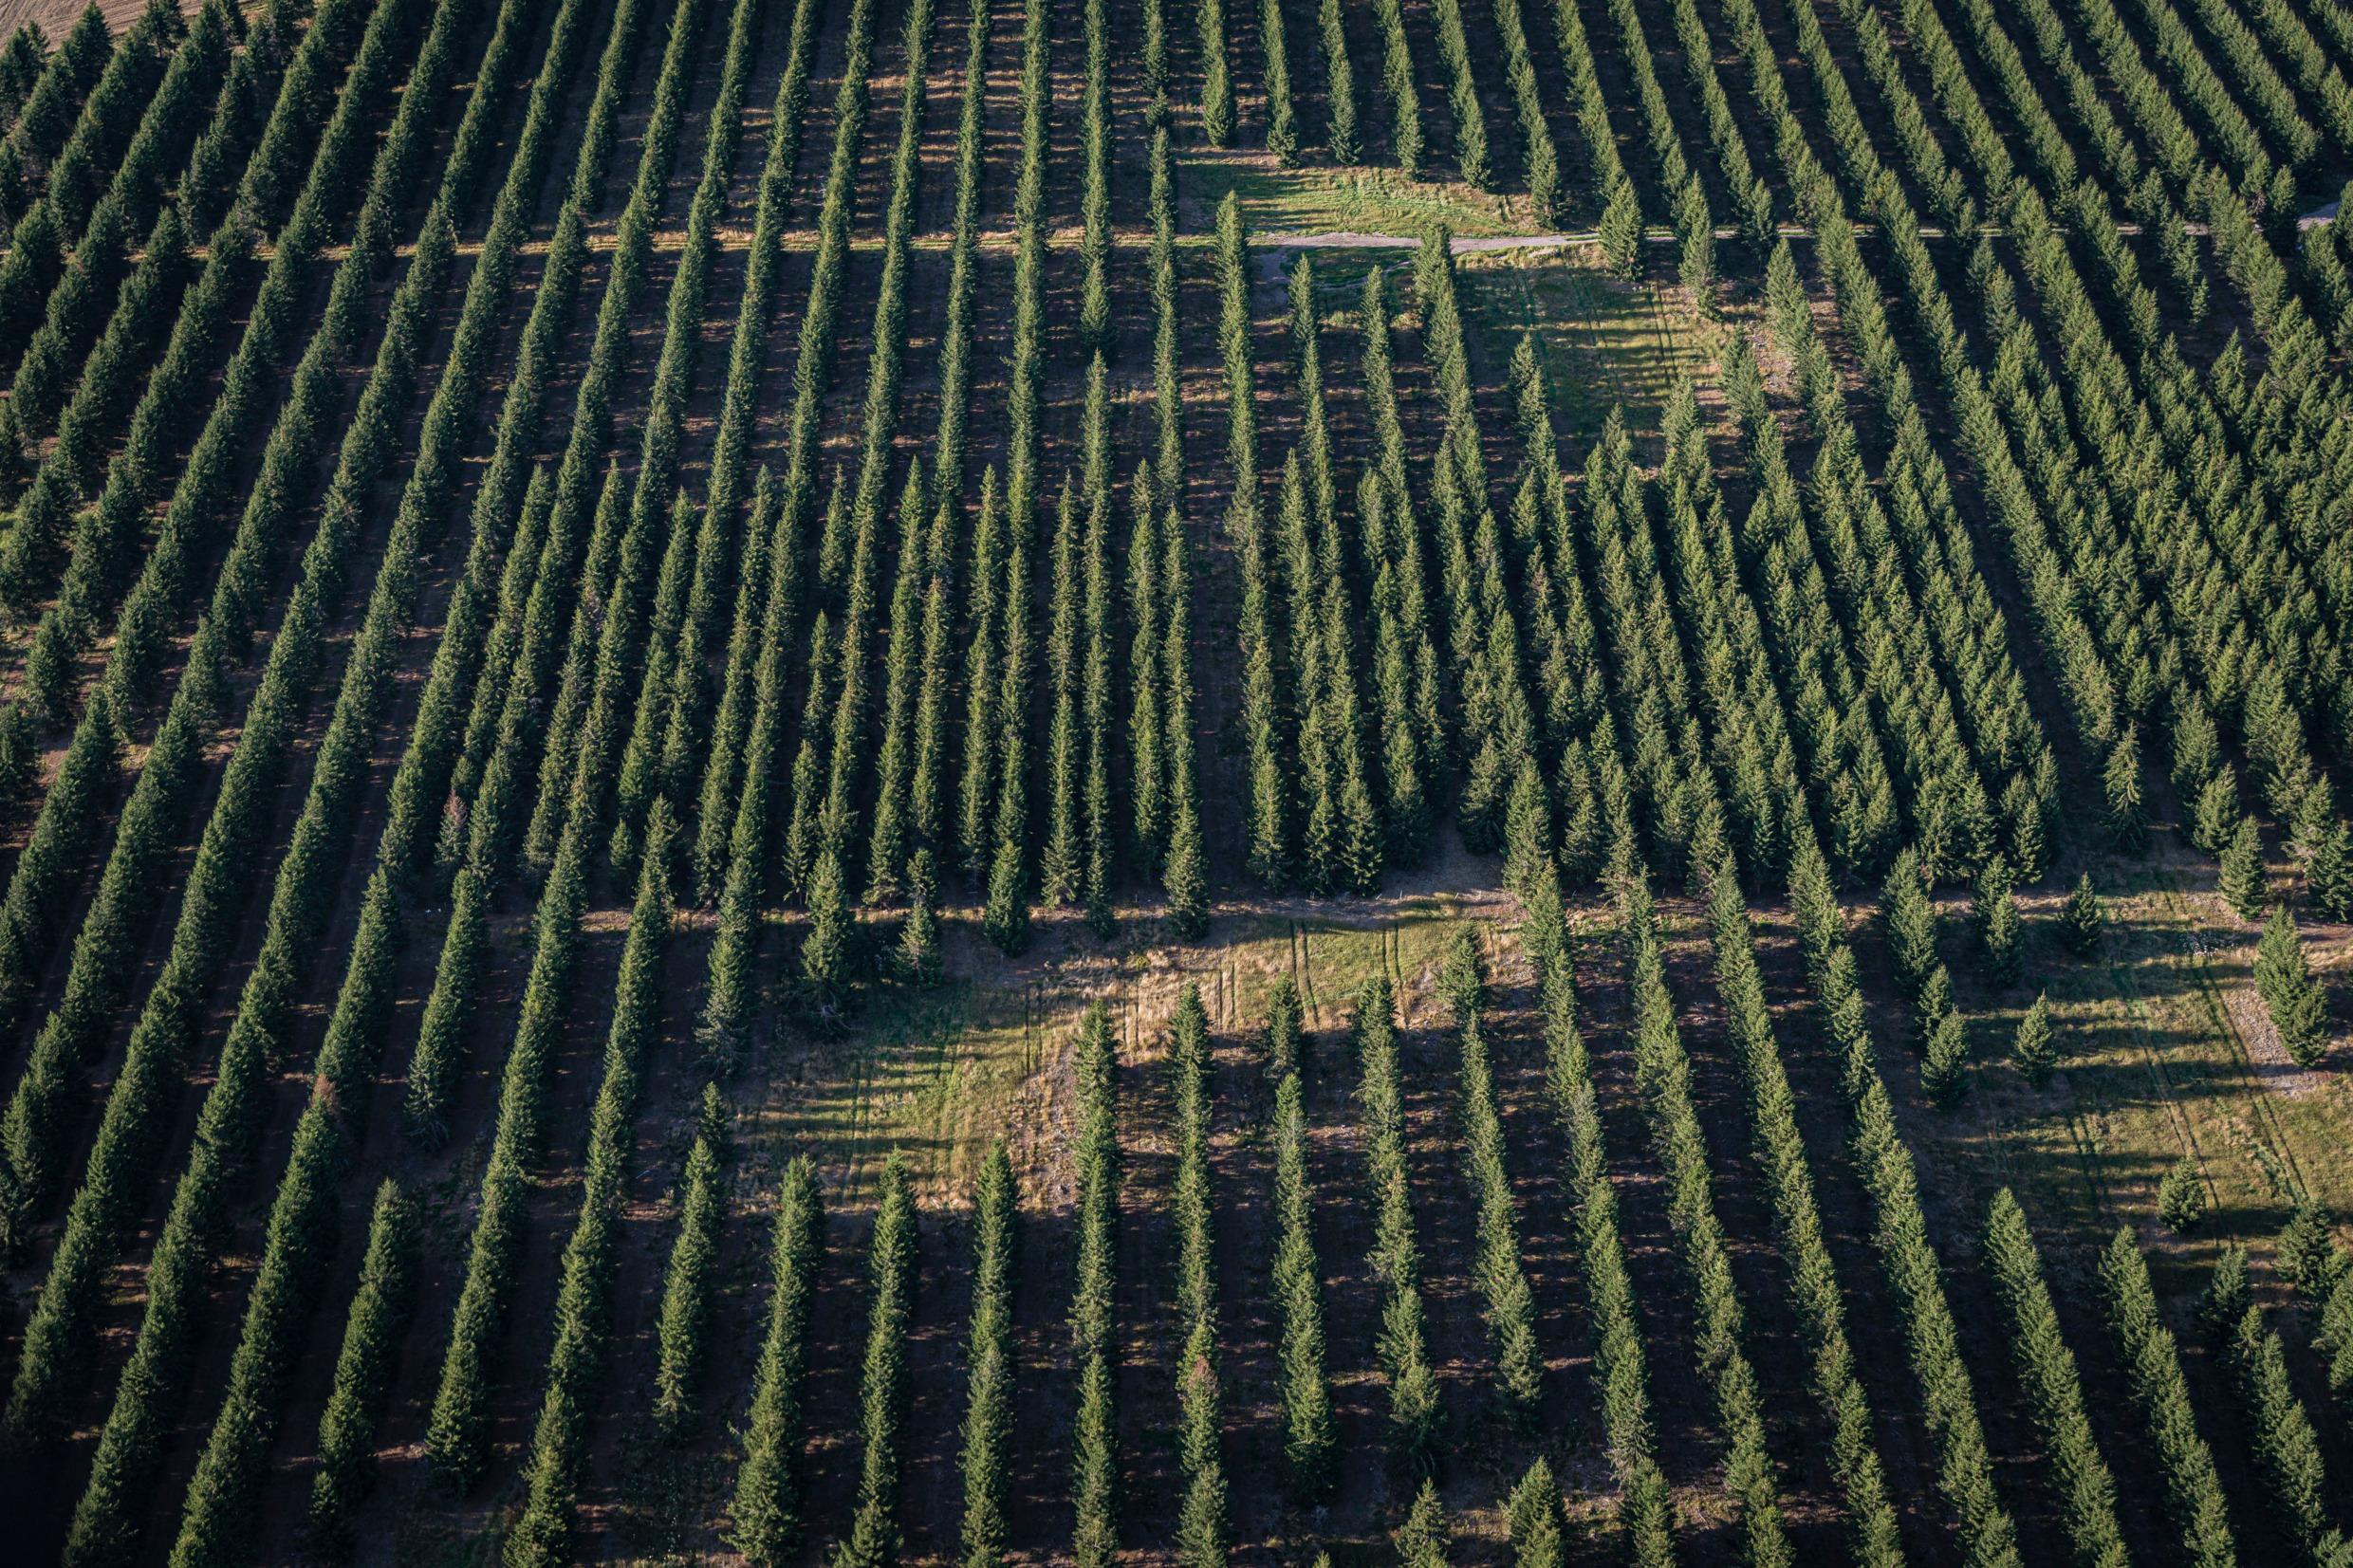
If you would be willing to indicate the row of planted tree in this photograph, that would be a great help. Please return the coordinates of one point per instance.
(1603, 670)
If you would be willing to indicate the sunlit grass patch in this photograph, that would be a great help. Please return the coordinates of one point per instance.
(1313, 200)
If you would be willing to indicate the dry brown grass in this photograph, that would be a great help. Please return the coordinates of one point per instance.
(57, 16)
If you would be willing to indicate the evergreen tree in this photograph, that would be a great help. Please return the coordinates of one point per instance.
(1283, 1019)
(2326, 849)
(2194, 1495)
(2127, 807)
(2291, 994)
(2306, 1254)
(982, 681)
(989, 1400)
(2036, 1049)
(2328, 868)
(2242, 876)
(1532, 1518)
(1274, 58)
(1098, 837)
(1944, 1058)
(1059, 865)
(2216, 816)
(1095, 1466)
(826, 950)
(1422, 1540)
(1184, 875)
(1184, 881)
(2029, 847)
(1310, 1441)
(2181, 1196)
(1339, 133)
(686, 1287)
(918, 936)
(1201, 1512)
(1006, 918)
(2082, 917)
(20, 754)
(765, 1515)
(1147, 766)
(362, 1371)
(1997, 921)
(1620, 229)
(1527, 828)
(873, 1540)
(1217, 84)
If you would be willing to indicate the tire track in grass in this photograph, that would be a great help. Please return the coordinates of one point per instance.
(946, 1055)
(862, 1087)
(2176, 903)
(2136, 1010)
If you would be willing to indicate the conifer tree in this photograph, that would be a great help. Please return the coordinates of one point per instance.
(2242, 878)
(347, 1429)
(1059, 864)
(1217, 84)
(2085, 1486)
(1274, 54)
(1284, 1022)
(887, 843)
(826, 951)
(1395, 1258)
(1006, 918)
(919, 935)
(2214, 819)
(1422, 1540)
(1997, 921)
(1527, 828)
(1620, 229)
(874, 1539)
(687, 1284)
(2329, 871)
(2082, 917)
(2127, 807)
(2291, 994)
(1147, 765)
(2286, 1447)
(2306, 1254)
(2029, 847)
(989, 1388)
(2036, 1050)
(1310, 1441)
(2181, 1196)
(1944, 1058)
(1097, 870)
(1269, 829)
(1339, 129)
(1397, 79)
(765, 1518)
(807, 778)
(1094, 1468)
(2193, 1496)
(1184, 877)
(982, 681)
(1532, 1518)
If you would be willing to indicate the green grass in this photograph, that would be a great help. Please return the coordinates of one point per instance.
(2154, 1035)
(940, 1075)
(1312, 200)
(1605, 342)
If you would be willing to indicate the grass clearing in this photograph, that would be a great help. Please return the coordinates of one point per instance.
(940, 1075)
(1313, 199)
(2162, 1056)
(1607, 343)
